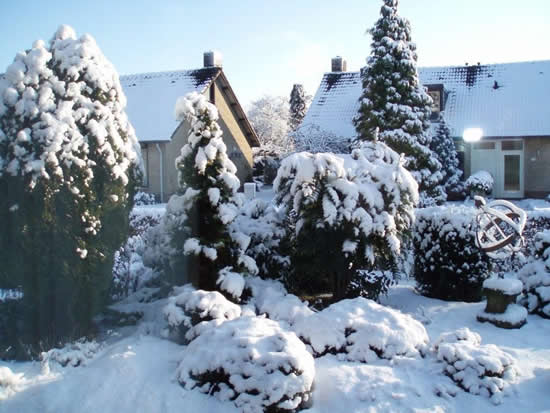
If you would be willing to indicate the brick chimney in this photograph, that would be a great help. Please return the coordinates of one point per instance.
(212, 58)
(339, 64)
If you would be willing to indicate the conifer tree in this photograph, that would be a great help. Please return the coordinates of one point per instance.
(298, 107)
(208, 202)
(393, 103)
(444, 147)
(69, 168)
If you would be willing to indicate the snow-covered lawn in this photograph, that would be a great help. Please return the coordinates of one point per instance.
(135, 370)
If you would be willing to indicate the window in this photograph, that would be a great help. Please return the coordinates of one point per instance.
(145, 157)
(512, 145)
(484, 145)
(436, 97)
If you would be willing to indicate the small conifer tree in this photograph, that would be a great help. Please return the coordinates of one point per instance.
(394, 105)
(444, 147)
(69, 168)
(298, 107)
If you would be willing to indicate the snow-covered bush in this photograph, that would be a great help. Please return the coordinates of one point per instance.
(478, 369)
(363, 331)
(395, 107)
(10, 382)
(252, 362)
(311, 138)
(69, 168)
(144, 198)
(197, 220)
(448, 264)
(480, 183)
(536, 278)
(265, 224)
(345, 219)
(191, 312)
(73, 354)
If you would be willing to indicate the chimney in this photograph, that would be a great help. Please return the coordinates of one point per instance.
(212, 59)
(339, 64)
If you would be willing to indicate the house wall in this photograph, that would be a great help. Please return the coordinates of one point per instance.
(537, 167)
(238, 149)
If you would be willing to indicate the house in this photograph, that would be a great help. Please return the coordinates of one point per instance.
(151, 99)
(507, 103)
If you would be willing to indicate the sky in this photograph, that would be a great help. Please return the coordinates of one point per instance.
(267, 46)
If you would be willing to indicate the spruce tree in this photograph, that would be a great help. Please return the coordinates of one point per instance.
(69, 168)
(444, 147)
(208, 201)
(298, 107)
(394, 105)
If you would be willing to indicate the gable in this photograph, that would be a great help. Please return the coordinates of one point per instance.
(505, 100)
(151, 98)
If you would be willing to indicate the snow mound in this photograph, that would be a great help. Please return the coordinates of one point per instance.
(10, 382)
(194, 311)
(364, 331)
(231, 283)
(251, 361)
(508, 286)
(73, 354)
(271, 298)
(478, 369)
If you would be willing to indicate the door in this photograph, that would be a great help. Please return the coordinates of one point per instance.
(511, 153)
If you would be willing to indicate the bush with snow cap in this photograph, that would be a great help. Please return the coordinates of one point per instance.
(10, 382)
(252, 362)
(478, 369)
(344, 218)
(448, 264)
(69, 168)
(480, 182)
(394, 106)
(199, 217)
(362, 331)
(73, 354)
(536, 278)
(192, 312)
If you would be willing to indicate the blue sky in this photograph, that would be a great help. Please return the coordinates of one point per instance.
(269, 45)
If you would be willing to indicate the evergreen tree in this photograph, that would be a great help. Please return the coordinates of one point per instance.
(444, 147)
(208, 202)
(69, 168)
(395, 104)
(298, 107)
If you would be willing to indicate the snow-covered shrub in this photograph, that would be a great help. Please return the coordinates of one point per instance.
(191, 312)
(345, 218)
(10, 382)
(363, 331)
(395, 107)
(478, 369)
(311, 138)
(448, 264)
(144, 198)
(69, 168)
(197, 220)
(480, 183)
(536, 278)
(265, 225)
(252, 362)
(73, 354)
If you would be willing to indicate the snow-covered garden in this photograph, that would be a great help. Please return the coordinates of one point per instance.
(347, 284)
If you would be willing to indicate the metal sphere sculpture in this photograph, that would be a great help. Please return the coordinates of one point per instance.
(500, 226)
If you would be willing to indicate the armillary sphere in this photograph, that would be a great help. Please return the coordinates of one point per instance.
(499, 227)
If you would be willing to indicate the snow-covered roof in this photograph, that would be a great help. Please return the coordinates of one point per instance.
(152, 97)
(505, 100)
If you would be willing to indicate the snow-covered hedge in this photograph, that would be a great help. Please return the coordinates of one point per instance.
(478, 369)
(251, 361)
(536, 278)
(73, 354)
(144, 198)
(363, 331)
(311, 138)
(480, 183)
(191, 312)
(448, 264)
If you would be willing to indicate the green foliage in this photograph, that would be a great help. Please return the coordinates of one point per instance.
(69, 168)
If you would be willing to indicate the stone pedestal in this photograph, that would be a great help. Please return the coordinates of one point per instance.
(501, 309)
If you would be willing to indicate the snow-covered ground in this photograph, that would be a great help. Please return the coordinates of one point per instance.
(135, 370)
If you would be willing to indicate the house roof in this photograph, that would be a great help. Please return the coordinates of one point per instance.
(151, 98)
(505, 100)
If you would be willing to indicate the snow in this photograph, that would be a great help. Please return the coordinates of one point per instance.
(514, 315)
(231, 282)
(508, 286)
